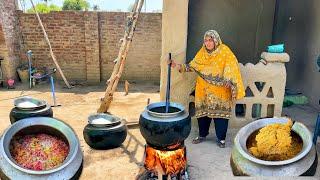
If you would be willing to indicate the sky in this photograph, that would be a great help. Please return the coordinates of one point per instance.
(110, 5)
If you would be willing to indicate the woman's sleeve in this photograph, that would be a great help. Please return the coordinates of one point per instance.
(232, 74)
(188, 67)
(195, 64)
(185, 68)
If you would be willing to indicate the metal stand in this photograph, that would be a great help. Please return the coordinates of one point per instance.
(29, 55)
(53, 93)
(33, 78)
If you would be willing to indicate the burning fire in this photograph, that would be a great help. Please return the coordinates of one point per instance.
(165, 162)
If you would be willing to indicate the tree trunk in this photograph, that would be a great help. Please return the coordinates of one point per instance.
(9, 21)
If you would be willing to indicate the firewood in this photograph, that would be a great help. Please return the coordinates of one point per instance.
(126, 87)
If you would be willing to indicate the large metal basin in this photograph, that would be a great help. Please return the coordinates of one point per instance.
(243, 134)
(67, 170)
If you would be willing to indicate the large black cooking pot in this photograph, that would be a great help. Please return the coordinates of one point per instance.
(25, 107)
(164, 130)
(104, 131)
(16, 113)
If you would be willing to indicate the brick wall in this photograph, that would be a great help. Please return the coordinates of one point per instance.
(1, 35)
(67, 36)
(92, 47)
(143, 57)
(86, 43)
(3, 48)
(3, 53)
(10, 38)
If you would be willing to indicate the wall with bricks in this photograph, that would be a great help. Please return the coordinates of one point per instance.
(3, 48)
(92, 47)
(10, 41)
(143, 60)
(3, 54)
(67, 36)
(86, 43)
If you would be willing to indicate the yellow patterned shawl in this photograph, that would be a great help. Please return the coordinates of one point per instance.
(219, 82)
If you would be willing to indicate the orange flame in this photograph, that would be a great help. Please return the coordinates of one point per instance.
(166, 162)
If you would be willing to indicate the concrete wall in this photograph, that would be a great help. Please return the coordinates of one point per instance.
(86, 43)
(245, 26)
(174, 40)
(298, 26)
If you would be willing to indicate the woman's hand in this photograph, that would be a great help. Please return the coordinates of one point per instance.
(172, 62)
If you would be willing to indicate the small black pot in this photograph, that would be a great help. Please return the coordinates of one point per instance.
(16, 114)
(105, 136)
(164, 130)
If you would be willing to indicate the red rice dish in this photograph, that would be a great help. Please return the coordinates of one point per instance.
(39, 151)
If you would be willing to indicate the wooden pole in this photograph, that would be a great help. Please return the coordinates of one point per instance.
(50, 48)
(122, 55)
(126, 87)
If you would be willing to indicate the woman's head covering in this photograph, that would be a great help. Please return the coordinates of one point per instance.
(215, 36)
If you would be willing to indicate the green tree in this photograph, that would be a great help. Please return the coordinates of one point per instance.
(44, 8)
(77, 5)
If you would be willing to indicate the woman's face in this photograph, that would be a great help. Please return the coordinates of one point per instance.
(209, 43)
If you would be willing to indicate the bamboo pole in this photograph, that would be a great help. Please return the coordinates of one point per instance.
(50, 48)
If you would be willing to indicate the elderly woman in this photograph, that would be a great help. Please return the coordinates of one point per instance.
(218, 85)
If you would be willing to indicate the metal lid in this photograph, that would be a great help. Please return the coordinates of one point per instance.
(103, 120)
(28, 103)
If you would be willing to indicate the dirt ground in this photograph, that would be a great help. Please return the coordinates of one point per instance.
(205, 161)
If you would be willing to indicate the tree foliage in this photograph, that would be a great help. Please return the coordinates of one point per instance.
(76, 5)
(44, 8)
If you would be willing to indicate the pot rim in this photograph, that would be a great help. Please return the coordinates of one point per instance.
(73, 141)
(38, 103)
(112, 120)
(262, 123)
(163, 104)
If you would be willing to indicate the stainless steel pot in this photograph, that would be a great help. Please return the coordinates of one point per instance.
(67, 170)
(243, 134)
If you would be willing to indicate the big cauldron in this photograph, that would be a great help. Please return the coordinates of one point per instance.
(243, 163)
(69, 169)
(164, 130)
